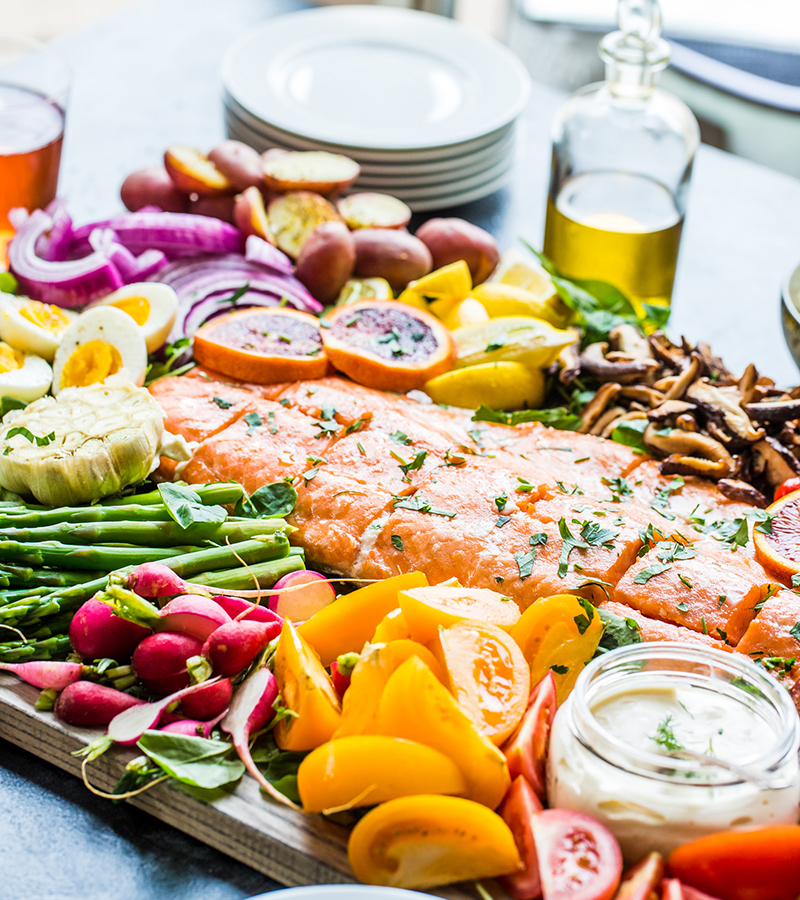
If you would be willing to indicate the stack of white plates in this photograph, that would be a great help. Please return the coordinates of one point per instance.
(425, 106)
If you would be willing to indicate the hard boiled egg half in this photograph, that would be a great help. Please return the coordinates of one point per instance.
(31, 326)
(23, 376)
(102, 341)
(151, 305)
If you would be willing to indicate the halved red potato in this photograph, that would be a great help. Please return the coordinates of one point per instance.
(152, 187)
(250, 214)
(264, 346)
(240, 164)
(397, 256)
(293, 216)
(193, 172)
(310, 170)
(386, 345)
(369, 209)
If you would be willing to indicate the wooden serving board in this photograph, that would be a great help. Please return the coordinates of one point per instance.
(287, 845)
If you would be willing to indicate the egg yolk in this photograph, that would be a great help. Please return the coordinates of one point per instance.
(44, 315)
(90, 363)
(138, 308)
(10, 359)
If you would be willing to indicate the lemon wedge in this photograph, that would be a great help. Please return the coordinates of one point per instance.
(524, 339)
(509, 300)
(468, 312)
(357, 289)
(501, 385)
(520, 269)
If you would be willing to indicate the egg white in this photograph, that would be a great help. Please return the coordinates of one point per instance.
(163, 303)
(111, 326)
(22, 334)
(29, 382)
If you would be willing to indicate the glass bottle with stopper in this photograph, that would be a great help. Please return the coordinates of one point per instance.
(622, 159)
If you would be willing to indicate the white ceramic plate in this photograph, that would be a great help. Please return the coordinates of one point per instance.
(391, 175)
(390, 157)
(375, 77)
(341, 892)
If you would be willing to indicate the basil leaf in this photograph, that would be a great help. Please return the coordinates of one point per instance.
(9, 403)
(274, 500)
(195, 761)
(186, 507)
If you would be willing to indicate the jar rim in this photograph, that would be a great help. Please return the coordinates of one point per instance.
(760, 688)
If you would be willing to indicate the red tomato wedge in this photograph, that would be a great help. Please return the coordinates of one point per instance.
(526, 748)
(518, 808)
(788, 487)
(579, 859)
(757, 864)
(641, 882)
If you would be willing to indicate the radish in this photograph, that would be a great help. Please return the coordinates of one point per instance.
(193, 727)
(160, 661)
(251, 710)
(238, 607)
(127, 727)
(341, 670)
(299, 595)
(205, 703)
(46, 674)
(96, 633)
(90, 705)
(233, 646)
(193, 615)
(157, 580)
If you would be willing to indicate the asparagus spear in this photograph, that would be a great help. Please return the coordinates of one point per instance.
(221, 493)
(17, 576)
(266, 573)
(147, 534)
(69, 556)
(56, 647)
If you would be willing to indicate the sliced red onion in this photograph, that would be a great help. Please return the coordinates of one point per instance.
(60, 241)
(173, 233)
(18, 216)
(131, 268)
(257, 250)
(65, 283)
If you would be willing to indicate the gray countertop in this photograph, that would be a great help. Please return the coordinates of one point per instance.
(148, 77)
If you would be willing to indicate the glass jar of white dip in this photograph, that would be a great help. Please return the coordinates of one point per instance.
(667, 742)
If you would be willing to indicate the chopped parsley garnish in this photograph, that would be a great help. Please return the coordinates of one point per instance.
(502, 521)
(526, 560)
(413, 464)
(650, 572)
(253, 420)
(569, 493)
(683, 606)
(419, 504)
(41, 441)
(453, 459)
(778, 663)
(583, 622)
(559, 417)
(273, 428)
(592, 534)
(397, 543)
(560, 670)
(310, 474)
(620, 489)
(794, 631)
(665, 736)
(685, 582)
(703, 623)
(497, 344)
(361, 449)
(524, 487)
(500, 501)
(222, 403)
(661, 502)
(358, 424)
(400, 438)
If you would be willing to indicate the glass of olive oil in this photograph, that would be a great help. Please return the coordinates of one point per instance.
(622, 160)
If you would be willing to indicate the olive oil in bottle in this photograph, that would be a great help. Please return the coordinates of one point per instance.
(623, 151)
(616, 227)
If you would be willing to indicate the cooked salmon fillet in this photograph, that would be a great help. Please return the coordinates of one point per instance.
(772, 638)
(387, 484)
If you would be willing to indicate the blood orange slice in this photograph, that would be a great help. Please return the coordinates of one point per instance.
(780, 551)
(387, 345)
(264, 346)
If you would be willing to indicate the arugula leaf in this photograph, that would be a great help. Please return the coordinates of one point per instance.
(558, 417)
(185, 507)
(630, 433)
(617, 632)
(175, 359)
(278, 766)
(274, 500)
(195, 761)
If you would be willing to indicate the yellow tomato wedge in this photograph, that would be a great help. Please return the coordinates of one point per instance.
(376, 665)
(416, 706)
(425, 841)
(392, 627)
(558, 634)
(346, 625)
(307, 691)
(426, 608)
(363, 770)
(488, 675)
